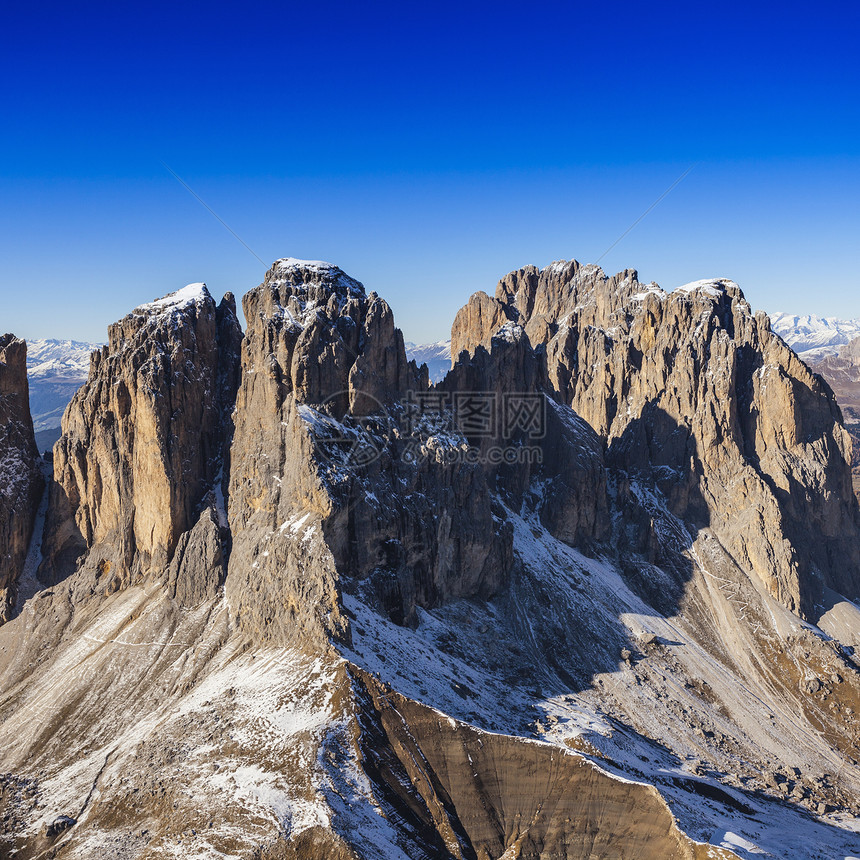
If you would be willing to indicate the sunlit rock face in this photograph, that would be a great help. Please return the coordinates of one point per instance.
(143, 440)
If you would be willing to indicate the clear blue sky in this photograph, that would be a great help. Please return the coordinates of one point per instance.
(425, 148)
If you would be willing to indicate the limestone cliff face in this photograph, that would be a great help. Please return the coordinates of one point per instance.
(329, 488)
(143, 440)
(20, 478)
(694, 387)
(477, 321)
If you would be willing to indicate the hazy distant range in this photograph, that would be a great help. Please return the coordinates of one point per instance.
(56, 370)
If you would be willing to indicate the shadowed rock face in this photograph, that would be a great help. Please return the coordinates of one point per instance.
(199, 563)
(143, 440)
(692, 383)
(20, 478)
(568, 465)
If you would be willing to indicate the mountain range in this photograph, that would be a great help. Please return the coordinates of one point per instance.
(591, 594)
(56, 370)
(812, 336)
(437, 357)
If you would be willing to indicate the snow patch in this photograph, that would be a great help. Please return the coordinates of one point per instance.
(510, 332)
(650, 290)
(320, 268)
(714, 288)
(190, 294)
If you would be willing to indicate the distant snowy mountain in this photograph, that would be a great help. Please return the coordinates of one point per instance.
(812, 336)
(56, 369)
(55, 358)
(437, 357)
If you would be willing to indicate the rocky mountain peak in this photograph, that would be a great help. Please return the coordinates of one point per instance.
(326, 341)
(160, 315)
(14, 355)
(693, 382)
(305, 604)
(143, 439)
(300, 288)
(191, 294)
(303, 272)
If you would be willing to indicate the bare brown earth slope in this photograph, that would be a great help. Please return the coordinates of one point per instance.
(588, 597)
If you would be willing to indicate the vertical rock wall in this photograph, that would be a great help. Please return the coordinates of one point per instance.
(143, 440)
(20, 478)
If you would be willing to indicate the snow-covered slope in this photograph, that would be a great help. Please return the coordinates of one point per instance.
(56, 370)
(50, 358)
(814, 337)
(689, 707)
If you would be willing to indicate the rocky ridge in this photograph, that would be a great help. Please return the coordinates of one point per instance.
(749, 441)
(364, 627)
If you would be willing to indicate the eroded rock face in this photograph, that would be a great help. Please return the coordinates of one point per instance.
(692, 386)
(143, 440)
(477, 322)
(21, 480)
(199, 563)
(547, 451)
(320, 452)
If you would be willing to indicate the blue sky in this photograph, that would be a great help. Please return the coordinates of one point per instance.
(425, 148)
